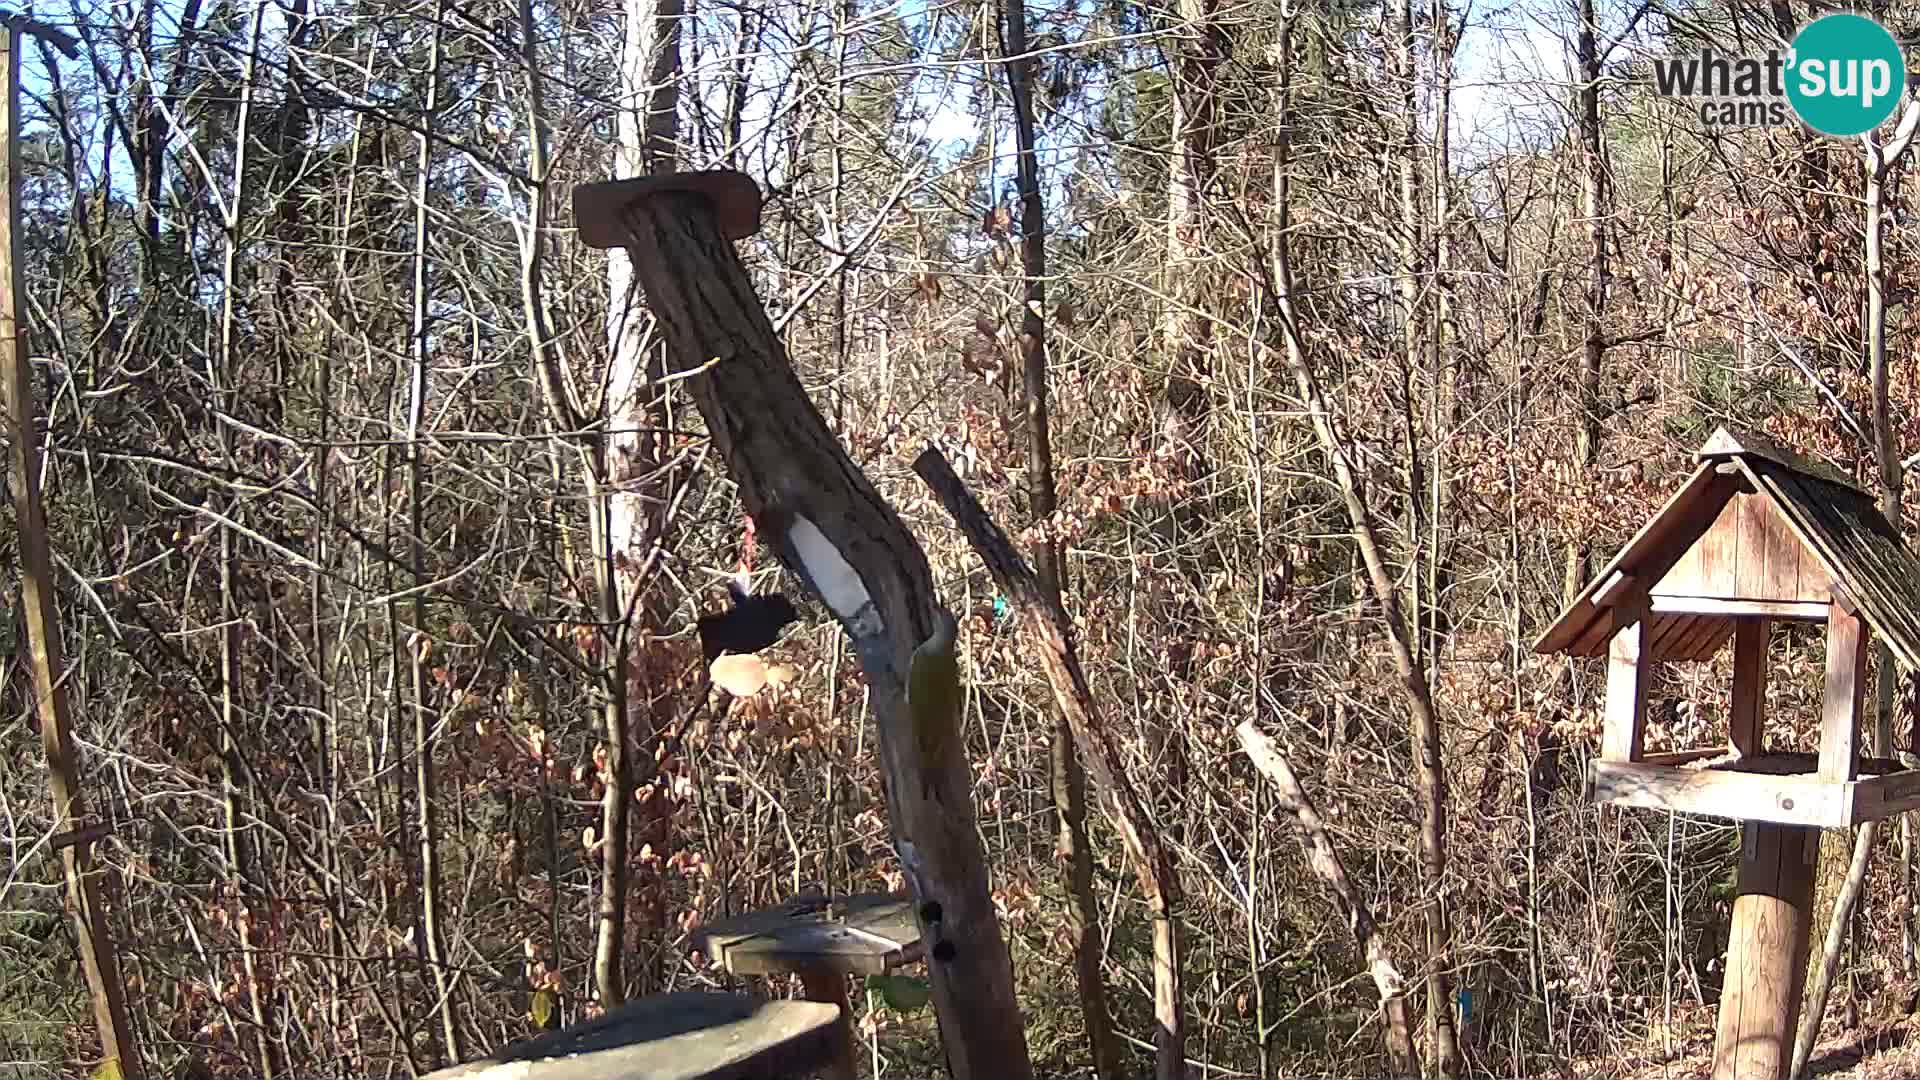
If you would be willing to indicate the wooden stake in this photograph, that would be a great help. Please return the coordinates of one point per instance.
(831, 987)
(1766, 952)
(43, 623)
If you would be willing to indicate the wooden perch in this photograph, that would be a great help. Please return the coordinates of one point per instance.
(830, 526)
(1049, 634)
(1325, 863)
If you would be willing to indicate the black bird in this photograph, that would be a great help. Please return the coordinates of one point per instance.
(751, 624)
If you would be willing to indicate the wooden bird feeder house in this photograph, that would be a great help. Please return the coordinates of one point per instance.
(1757, 534)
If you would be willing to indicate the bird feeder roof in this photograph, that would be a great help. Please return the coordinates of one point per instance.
(1768, 526)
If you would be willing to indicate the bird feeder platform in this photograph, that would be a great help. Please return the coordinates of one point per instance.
(1757, 534)
(680, 1036)
(869, 934)
(1782, 788)
(823, 942)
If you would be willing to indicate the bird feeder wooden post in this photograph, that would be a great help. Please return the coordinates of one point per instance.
(818, 510)
(1757, 535)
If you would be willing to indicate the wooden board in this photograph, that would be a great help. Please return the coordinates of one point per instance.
(1881, 797)
(1624, 733)
(680, 1036)
(1750, 552)
(1766, 952)
(1786, 800)
(868, 934)
(1782, 788)
(1725, 608)
(1746, 722)
(1845, 691)
(1681, 757)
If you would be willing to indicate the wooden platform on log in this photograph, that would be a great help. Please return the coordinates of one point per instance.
(1781, 788)
(680, 1036)
(869, 934)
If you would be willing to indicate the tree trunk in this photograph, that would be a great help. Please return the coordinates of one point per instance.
(1586, 445)
(41, 638)
(432, 898)
(1197, 56)
(634, 458)
(819, 511)
(1066, 775)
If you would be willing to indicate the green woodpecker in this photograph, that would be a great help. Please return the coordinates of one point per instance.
(933, 698)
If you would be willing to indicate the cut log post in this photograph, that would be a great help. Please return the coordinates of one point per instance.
(830, 526)
(1766, 952)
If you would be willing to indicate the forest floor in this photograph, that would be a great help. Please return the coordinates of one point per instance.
(1874, 1049)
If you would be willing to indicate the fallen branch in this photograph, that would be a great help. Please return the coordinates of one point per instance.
(1044, 624)
(1325, 863)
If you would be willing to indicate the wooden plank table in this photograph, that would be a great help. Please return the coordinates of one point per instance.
(822, 941)
(678, 1036)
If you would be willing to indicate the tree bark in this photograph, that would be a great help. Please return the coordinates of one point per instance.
(633, 460)
(1198, 52)
(819, 511)
(1593, 345)
(1066, 775)
(426, 781)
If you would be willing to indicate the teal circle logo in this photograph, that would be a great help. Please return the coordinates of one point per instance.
(1845, 75)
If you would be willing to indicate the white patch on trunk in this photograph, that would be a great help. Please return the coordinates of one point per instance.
(836, 580)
